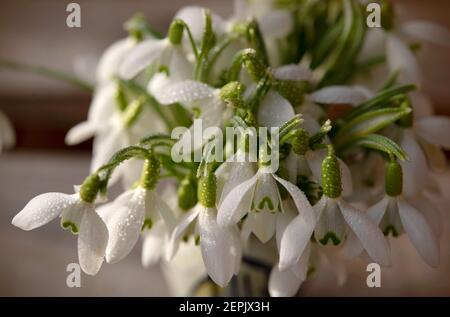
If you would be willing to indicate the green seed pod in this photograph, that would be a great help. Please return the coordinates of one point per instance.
(331, 176)
(394, 179)
(90, 188)
(150, 172)
(300, 143)
(187, 193)
(176, 32)
(206, 190)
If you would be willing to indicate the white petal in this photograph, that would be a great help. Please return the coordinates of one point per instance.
(274, 110)
(435, 129)
(220, 247)
(300, 200)
(284, 219)
(184, 222)
(371, 237)
(341, 95)
(106, 145)
(262, 224)
(374, 44)
(180, 68)
(80, 133)
(43, 209)
(229, 212)
(125, 226)
(353, 247)
(346, 179)
(184, 92)
(419, 232)
(267, 195)
(193, 16)
(276, 24)
(415, 170)
(154, 242)
(427, 31)
(295, 239)
(103, 105)
(166, 212)
(400, 57)
(430, 212)
(109, 62)
(240, 172)
(293, 72)
(141, 56)
(92, 242)
(283, 283)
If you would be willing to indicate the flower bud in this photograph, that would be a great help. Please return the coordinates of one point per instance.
(150, 172)
(331, 175)
(175, 34)
(187, 193)
(300, 142)
(206, 190)
(90, 188)
(394, 179)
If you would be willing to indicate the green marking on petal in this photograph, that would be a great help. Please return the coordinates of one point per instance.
(392, 230)
(266, 201)
(330, 235)
(148, 223)
(70, 225)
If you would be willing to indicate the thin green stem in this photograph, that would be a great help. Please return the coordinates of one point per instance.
(47, 72)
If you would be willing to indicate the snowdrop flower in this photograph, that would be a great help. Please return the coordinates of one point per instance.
(220, 246)
(396, 214)
(335, 220)
(423, 142)
(78, 213)
(156, 238)
(213, 104)
(135, 210)
(7, 136)
(391, 41)
(156, 53)
(111, 59)
(101, 110)
(259, 198)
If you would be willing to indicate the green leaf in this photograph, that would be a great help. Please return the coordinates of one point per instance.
(379, 100)
(382, 144)
(369, 122)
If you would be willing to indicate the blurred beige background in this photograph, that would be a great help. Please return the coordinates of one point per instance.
(33, 264)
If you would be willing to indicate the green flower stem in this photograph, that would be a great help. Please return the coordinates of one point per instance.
(47, 72)
(150, 100)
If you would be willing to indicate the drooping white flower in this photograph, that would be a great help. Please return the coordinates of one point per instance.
(7, 136)
(259, 199)
(334, 220)
(220, 246)
(111, 59)
(76, 214)
(133, 211)
(396, 213)
(156, 53)
(197, 96)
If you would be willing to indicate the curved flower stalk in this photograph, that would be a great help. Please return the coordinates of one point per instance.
(396, 214)
(221, 246)
(78, 213)
(7, 135)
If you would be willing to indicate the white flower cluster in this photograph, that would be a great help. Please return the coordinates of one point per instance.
(305, 68)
